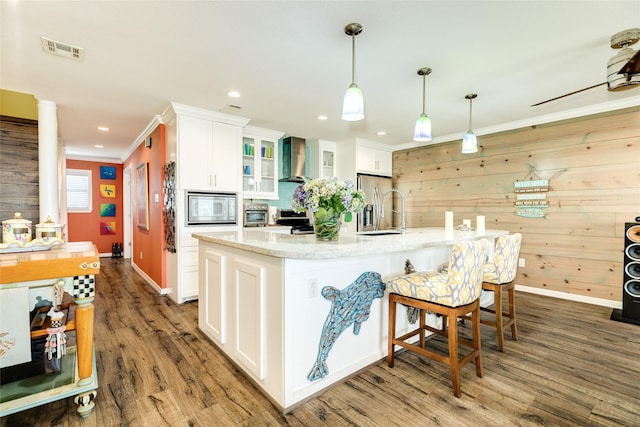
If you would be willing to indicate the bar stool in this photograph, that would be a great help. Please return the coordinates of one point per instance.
(452, 294)
(498, 277)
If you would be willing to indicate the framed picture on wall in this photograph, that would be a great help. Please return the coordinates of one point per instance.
(107, 209)
(107, 172)
(108, 190)
(142, 196)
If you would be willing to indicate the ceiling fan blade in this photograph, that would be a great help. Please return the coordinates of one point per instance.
(567, 94)
(633, 66)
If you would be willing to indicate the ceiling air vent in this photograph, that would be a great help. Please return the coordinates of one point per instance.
(230, 109)
(62, 49)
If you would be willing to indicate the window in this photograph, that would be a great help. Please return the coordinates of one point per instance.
(78, 190)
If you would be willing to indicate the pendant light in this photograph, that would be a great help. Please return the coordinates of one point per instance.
(353, 105)
(422, 131)
(469, 140)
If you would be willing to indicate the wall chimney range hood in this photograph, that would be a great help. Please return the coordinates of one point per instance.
(293, 159)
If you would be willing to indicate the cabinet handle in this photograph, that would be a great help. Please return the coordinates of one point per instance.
(215, 180)
(377, 164)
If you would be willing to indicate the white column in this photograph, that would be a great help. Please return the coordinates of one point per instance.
(48, 160)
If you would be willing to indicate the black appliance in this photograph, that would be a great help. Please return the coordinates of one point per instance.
(298, 221)
(630, 312)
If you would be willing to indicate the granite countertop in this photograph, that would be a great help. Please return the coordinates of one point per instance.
(278, 244)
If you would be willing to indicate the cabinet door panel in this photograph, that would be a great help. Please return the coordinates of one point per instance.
(213, 296)
(194, 155)
(249, 315)
(226, 167)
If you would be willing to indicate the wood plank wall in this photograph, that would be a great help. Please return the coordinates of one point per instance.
(593, 165)
(19, 176)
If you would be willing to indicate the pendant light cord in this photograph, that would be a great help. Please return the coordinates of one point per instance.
(353, 59)
(424, 91)
(470, 110)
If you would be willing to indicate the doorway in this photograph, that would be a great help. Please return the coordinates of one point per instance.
(126, 212)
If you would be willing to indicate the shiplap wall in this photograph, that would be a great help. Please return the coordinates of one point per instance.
(593, 165)
(19, 176)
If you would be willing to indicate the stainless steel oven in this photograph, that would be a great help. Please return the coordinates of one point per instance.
(256, 215)
(211, 208)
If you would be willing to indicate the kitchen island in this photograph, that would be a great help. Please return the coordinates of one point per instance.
(261, 301)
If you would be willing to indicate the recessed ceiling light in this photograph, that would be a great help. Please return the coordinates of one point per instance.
(322, 117)
(99, 146)
(233, 94)
(381, 132)
(103, 128)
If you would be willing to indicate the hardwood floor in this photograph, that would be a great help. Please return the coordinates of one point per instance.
(572, 366)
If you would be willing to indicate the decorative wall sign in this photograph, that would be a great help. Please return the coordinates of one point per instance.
(530, 213)
(107, 209)
(350, 306)
(107, 190)
(107, 172)
(531, 197)
(533, 186)
(142, 196)
(107, 228)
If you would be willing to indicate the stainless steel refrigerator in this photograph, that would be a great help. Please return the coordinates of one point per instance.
(372, 217)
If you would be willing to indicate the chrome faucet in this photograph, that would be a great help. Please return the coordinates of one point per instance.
(403, 226)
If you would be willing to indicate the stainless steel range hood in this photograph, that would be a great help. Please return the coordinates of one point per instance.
(293, 159)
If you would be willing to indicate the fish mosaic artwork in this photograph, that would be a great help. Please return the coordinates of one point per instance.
(350, 306)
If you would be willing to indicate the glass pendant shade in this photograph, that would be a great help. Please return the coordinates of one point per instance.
(423, 129)
(469, 143)
(353, 105)
(470, 140)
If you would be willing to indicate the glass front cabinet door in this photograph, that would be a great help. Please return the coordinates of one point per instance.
(260, 163)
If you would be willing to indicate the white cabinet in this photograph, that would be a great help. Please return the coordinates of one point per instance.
(322, 158)
(241, 314)
(373, 160)
(212, 308)
(208, 155)
(249, 281)
(206, 148)
(260, 163)
(363, 156)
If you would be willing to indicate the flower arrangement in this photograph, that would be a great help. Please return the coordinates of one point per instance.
(327, 195)
(327, 199)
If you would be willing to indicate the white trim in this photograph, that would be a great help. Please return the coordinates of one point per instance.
(150, 281)
(153, 124)
(570, 297)
(633, 101)
(214, 116)
(113, 160)
(127, 206)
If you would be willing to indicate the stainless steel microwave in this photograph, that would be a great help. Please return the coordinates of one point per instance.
(211, 208)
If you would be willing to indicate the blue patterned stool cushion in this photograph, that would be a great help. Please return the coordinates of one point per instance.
(460, 285)
(504, 267)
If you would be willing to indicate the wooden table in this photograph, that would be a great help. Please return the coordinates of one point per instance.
(33, 274)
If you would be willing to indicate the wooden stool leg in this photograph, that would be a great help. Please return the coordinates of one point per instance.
(422, 329)
(477, 345)
(512, 313)
(392, 329)
(454, 363)
(498, 306)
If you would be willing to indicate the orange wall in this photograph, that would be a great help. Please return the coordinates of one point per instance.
(150, 243)
(86, 226)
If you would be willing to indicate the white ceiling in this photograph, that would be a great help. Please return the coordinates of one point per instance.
(291, 61)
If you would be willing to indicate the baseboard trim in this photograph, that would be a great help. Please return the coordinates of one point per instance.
(570, 297)
(150, 281)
